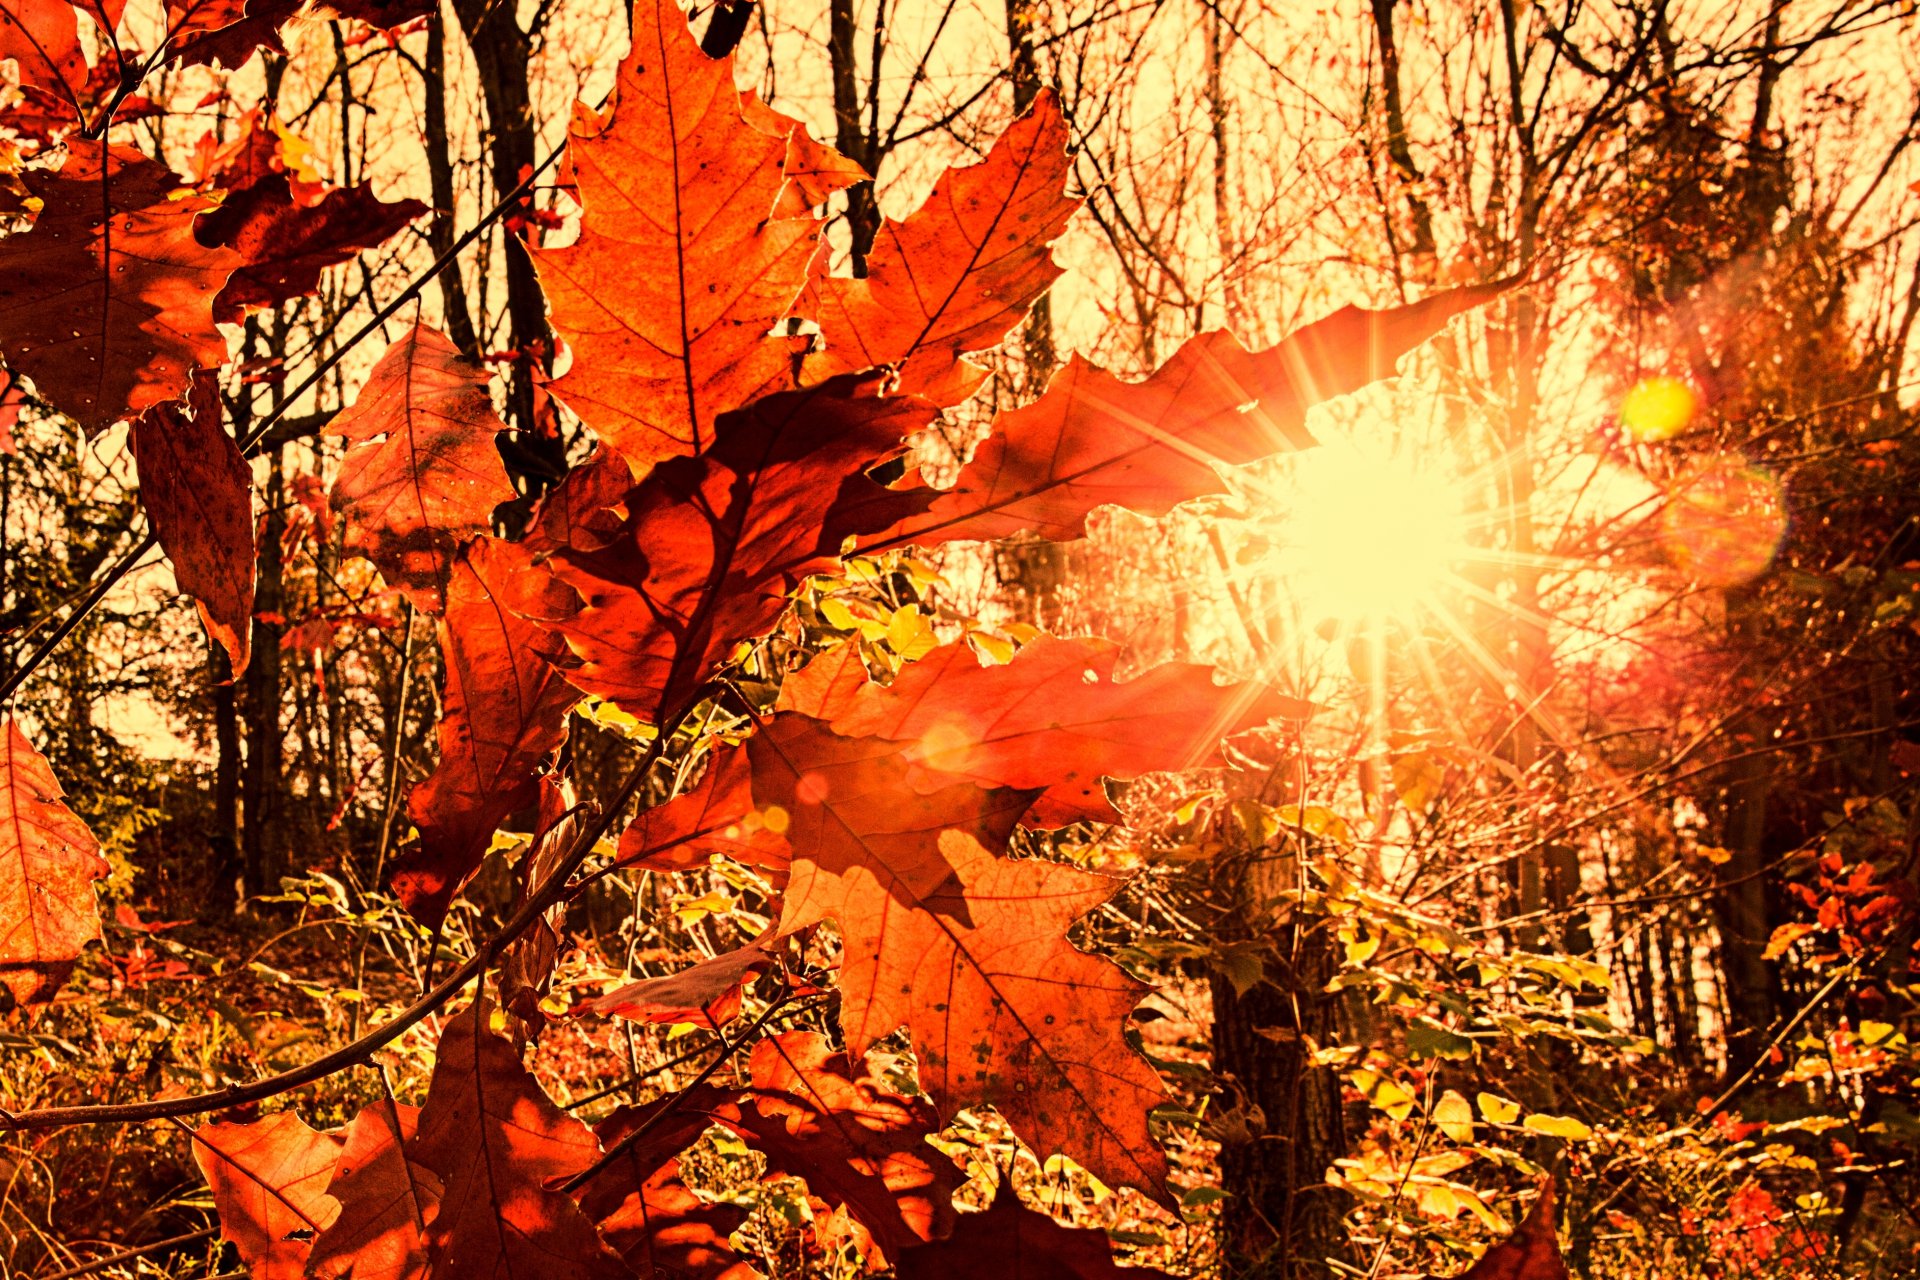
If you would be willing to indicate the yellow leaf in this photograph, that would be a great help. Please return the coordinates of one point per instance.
(1558, 1127)
(1454, 1116)
(1384, 1093)
(1784, 937)
(1498, 1110)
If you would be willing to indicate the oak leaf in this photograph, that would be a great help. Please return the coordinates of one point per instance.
(958, 274)
(203, 32)
(662, 1229)
(269, 1181)
(198, 492)
(496, 1142)
(116, 259)
(716, 815)
(1093, 440)
(967, 951)
(503, 712)
(386, 1201)
(1531, 1253)
(711, 545)
(1012, 1242)
(682, 268)
(1053, 718)
(48, 863)
(422, 473)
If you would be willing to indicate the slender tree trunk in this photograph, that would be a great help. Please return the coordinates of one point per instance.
(264, 776)
(851, 136)
(440, 231)
(224, 837)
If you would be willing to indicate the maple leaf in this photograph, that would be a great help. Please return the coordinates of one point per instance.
(198, 492)
(385, 1200)
(712, 544)
(116, 260)
(681, 269)
(1052, 718)
(1531, 1253)
(715, 816)
(967, 951)
(1012, 1242)
(957, 275)
(855, 1141)
(269, 1181)
(48, 862)
(706, 993)
(496, 1142)
(813, 170)
(504, 710)
(1093, 439)
(421, 474)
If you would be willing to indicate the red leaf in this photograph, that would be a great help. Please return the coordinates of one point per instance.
(48, 862)
(682, 267)
(716, 816)
(969, 952)
(1054, 718)
(855, 1141)
(385, 1202)
(504, 709)
(198, 491)
(662, 1229)
(712, 544)
(496, 1142)
(1093, 440)
(1531, 1253)
(116, 261)
(269, 1181)
(706, 993)
(1012, 1242)
(961, 272)
(202, 32)
(422, 473)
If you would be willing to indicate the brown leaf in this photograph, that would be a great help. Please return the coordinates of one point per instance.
(958, 274)
(967, 951)
(682, 267)
(198, 492)
(664, 1230)
(1012, 1242)
(1093, 439)
(422, 473)
(1531, 1253)
(116, 261)
(1053, 718)
(855, 1141)
(496, 1142)
(202, 32)
(504, 710)
(48, 862)
(712, 544)
(527, 971)
(385, 1202)
(707, 993)
(269, 1181)
(715, 816)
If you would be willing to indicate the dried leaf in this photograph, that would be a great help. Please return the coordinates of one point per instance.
(269, 1181)
(48, 862)
(386, 1202)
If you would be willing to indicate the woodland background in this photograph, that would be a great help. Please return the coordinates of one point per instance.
(1601, 861)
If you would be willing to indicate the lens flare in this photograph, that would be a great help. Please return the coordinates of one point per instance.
(1658, 409)
(1724, 521)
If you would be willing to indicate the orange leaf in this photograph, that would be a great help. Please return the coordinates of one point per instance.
(269, 1181)
(115, 260)
(198, 492)
(715, 816)
(682, 267)
(1531, 1253)
(1012, 1242)
(48, 861)
(961, 272)
(421, 474)
(707, 993)
(385, 1202)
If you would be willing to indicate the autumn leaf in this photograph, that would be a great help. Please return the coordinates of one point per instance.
(115, 259)
(1531, 1253)
(662, 1229)
(682, 268)
(1093, 439)
(1012, 1242)
(711, 545)
(1054, 718)
(704, 994)
(813, 170)
(269, 1181)
(855, 1141)
(716, 815)
(504, 710)
(526, 972)
(43, 39)
(967, 951)
(198, 492)
(496, 1142)
(960, 273)
(48, 863)
(421, 473)
(203, 32)
(385, 1199)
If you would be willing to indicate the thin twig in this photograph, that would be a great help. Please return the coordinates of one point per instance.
(128, 1255)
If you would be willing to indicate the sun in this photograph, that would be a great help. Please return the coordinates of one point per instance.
(1369, 538)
